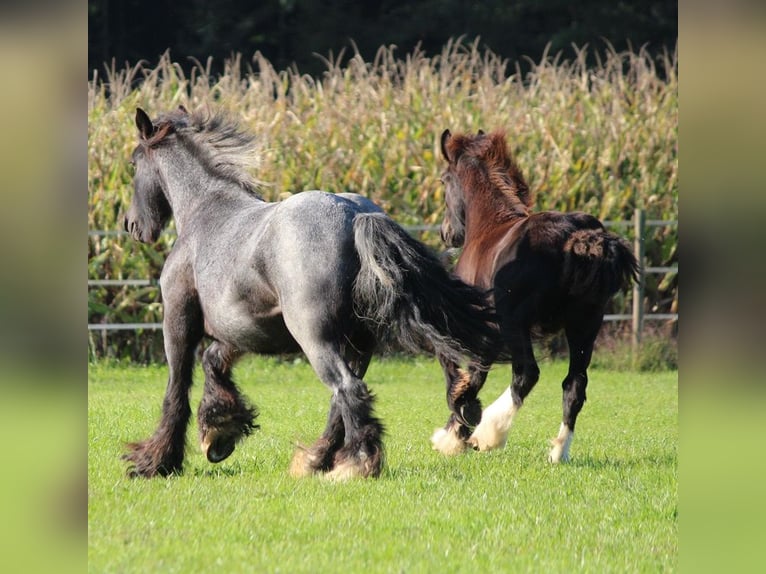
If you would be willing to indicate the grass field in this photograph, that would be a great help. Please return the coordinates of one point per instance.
(612, 509)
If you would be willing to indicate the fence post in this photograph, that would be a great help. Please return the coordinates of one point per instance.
(639, 226)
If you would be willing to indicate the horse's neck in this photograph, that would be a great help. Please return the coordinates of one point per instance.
(490, 241)
(193, 191)
(484, 222)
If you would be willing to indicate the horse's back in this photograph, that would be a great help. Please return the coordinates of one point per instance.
(546, 230)
(531, 245)
(364, 204)
(324, 210)
(560, 261)
(319, 197)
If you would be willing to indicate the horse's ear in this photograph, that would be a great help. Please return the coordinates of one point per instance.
(445, 136)
(144, 124)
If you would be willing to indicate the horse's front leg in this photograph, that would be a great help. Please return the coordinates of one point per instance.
(163, 452)
(497, 418)
(462, 397)
(224, 416)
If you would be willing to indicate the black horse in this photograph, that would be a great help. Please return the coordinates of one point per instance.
(327, 274)
(547, 271)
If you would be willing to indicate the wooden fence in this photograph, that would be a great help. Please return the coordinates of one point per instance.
(637, 317)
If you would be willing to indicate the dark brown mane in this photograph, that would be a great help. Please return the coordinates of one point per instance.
(484, 160)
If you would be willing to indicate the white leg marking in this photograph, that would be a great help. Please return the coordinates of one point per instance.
(561, 444)
(447, 441)
(496, 421)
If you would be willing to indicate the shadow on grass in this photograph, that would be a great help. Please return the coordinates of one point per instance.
(227, 471)
(598, 463)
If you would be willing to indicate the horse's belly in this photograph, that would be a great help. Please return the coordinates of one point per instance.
(252, 332)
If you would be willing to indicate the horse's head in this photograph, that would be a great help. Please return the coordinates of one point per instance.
(481, 178)
(453, 224)
(149, 211)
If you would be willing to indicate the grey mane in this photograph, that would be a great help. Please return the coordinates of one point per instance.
(219, 143)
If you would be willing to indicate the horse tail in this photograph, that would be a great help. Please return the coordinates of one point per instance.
(598, 264)
(408, 297)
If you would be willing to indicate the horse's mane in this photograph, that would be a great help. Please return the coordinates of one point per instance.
(218, 142)
(490, 151)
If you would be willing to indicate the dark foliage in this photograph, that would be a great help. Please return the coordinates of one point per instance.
(291, 32)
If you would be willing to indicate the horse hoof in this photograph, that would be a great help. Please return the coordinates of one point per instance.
(557, 455)
(218, 450)
(483, 445)
(343, 472)
(560, 446)
(365, 462)
(357, 467)
(302, 463)
(447, 441)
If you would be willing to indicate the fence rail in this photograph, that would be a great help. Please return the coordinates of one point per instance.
(637, 317)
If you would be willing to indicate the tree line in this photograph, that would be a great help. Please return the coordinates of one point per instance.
(293, 32)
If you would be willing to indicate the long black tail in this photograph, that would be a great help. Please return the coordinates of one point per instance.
(410, 298)
(598, 263)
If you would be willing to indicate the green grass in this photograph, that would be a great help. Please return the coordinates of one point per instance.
(612, 509)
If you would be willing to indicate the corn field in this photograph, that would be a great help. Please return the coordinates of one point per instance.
(601, 139)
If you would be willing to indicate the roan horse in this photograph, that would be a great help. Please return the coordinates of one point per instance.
(327, 274)
(546, 271)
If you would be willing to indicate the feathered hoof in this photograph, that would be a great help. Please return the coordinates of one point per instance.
(303, 463)
(357, 464)
(345, 471)
(556, 456)
(560, 446)
(447, 441)
(217, 448)
(222, 426)
(153, 457)
(487, 437)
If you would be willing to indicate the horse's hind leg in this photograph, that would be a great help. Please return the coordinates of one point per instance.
(497, 418)
(581, 336)
(224, 416)
(320, 457)
(361, 454)
(362, 451)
